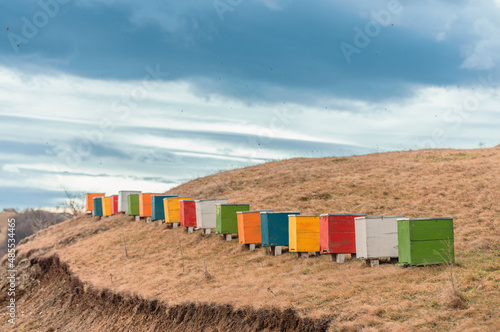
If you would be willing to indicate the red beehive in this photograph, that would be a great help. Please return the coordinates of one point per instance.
(114, 204)
(337, 235)
(188, 213)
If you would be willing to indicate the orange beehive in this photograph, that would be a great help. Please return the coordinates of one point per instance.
(90, 201)
(249, 226)
(145, 205)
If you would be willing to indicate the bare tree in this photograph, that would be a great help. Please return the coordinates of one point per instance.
(75, 201)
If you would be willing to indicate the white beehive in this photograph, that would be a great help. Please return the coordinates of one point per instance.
(206, 212)
(123, 201)
(376, 237)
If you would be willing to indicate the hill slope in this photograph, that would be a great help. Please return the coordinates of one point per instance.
(168, 264)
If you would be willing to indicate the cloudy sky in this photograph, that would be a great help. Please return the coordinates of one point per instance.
(104, 95)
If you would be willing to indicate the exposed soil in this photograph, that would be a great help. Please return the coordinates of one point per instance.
(55, 299)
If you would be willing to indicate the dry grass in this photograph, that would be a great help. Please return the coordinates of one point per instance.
(459, 183)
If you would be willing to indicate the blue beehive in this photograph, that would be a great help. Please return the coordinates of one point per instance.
(157, 209)
(97, 207)
(274, 228)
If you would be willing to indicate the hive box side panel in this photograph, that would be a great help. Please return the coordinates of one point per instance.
(361, 238)
(324, 234)
(404, 256)
(218, 216)
(240, 218)
(264, 230)
(292, 234)
(382, 238)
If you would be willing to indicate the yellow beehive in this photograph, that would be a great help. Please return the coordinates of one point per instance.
(106, 206)
(172, 209)
(303, 233)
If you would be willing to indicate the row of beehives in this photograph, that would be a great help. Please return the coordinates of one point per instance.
(412, 241)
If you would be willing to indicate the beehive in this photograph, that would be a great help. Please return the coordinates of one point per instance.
(188, 213)
(145, 205)
(274, 228)
(172, 209)
(133, 204)
(303, 233)
(106, 206)
(206, 212)
(123, 199)
(97, 206)
(114, 204)
(249, 226)
(157, 208)
(89, 201)
(424, 241)
(377, 237)
(226, 220)
(337, 234)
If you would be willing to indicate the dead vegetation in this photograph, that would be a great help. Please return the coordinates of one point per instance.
(459, 183)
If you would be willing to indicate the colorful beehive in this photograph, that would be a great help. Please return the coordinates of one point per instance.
(274, 228)
(172, 209)
(188, 213)
(424, 241)
(157, 208)
(376, 237)
(133, 204)
(303, 233)
(226, 220)
(114, 204)
(206, 212)
(97, 206)
(123, 199)
(106, 206)
(337, 234)
(90, 201)
(145, 204)
(249, 226)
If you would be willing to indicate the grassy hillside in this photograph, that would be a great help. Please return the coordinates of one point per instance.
(350, 296)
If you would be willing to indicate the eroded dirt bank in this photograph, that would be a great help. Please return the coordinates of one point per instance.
(50, 298)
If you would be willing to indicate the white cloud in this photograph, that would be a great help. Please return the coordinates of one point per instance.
(155, 158)
(483, 53)
(10, 168)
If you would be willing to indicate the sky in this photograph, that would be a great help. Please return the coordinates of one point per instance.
(109, 95)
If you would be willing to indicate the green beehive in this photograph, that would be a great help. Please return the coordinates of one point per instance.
(133, 205)
(424, 241)
(226, 221)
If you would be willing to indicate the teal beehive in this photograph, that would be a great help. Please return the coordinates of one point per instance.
(274, 228)
(98, 212)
